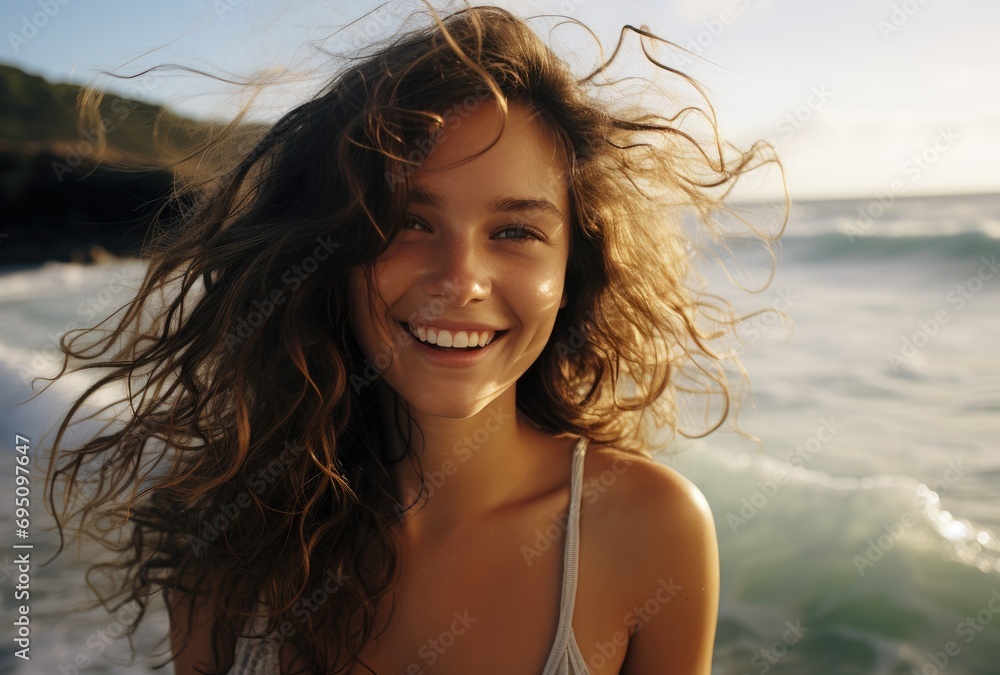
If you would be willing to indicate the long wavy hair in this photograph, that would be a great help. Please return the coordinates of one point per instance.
(251, 468)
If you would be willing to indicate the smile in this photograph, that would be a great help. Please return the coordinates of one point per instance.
(453, 340)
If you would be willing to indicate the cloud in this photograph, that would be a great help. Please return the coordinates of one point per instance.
(859, 152)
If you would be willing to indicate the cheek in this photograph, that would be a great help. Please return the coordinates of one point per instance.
(551, 279)
(370, 318)
(548, 287)
(539, 292)
(358, 310)
(362, 321)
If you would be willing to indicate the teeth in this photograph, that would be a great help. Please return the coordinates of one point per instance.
(459, 339)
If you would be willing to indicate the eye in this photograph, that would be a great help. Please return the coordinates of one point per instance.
(520, 233)
(412, 223)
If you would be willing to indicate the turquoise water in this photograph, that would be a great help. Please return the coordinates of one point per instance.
(861, 538)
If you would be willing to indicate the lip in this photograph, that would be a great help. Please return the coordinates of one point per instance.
(452, 359)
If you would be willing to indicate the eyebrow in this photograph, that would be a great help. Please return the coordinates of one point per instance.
(418, 195)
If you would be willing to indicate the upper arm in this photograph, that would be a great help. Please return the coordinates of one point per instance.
(676, 586)
(190, 634)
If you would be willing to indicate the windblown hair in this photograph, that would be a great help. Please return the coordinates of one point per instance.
(252, 465)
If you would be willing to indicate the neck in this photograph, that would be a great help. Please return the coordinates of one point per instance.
(471, 467)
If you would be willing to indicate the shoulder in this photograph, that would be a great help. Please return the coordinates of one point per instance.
(658, 543)
(192, 620)
(646, 501)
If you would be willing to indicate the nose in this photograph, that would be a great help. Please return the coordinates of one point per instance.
(460, 274)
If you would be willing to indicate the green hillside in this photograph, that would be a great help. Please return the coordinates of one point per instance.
(56, 202)
(36, 111)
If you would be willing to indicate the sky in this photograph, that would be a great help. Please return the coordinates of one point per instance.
(860, 98)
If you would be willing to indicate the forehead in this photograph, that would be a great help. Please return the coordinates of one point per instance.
(525, 162)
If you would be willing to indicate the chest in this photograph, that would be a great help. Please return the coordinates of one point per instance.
(488, 601)
(470, 606)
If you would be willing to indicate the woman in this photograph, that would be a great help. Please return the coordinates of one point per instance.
(423, 332)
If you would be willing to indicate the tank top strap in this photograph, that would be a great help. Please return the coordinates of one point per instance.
(571, 556)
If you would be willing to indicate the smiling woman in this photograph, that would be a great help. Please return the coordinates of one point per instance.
(466, 386)
(488, 237)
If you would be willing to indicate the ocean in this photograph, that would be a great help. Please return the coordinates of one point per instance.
(861, 535)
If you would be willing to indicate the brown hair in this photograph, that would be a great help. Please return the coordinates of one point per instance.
(251, 466)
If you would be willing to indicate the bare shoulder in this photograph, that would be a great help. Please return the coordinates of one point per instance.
(646, 502)
(659, 546)
(191, 622)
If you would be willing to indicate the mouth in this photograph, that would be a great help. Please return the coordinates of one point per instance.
(453, 340)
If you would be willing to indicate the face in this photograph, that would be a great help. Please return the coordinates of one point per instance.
(471, 287)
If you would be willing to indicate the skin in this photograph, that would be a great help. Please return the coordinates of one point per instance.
(643, 526)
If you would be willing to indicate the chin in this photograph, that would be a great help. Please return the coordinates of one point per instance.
(455, 403)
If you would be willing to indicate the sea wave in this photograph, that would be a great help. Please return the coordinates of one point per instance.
(842, 246)
(872, 573)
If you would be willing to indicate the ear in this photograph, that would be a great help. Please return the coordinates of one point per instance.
(564, 300)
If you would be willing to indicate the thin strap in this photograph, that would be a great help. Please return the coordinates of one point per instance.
(570, 559)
